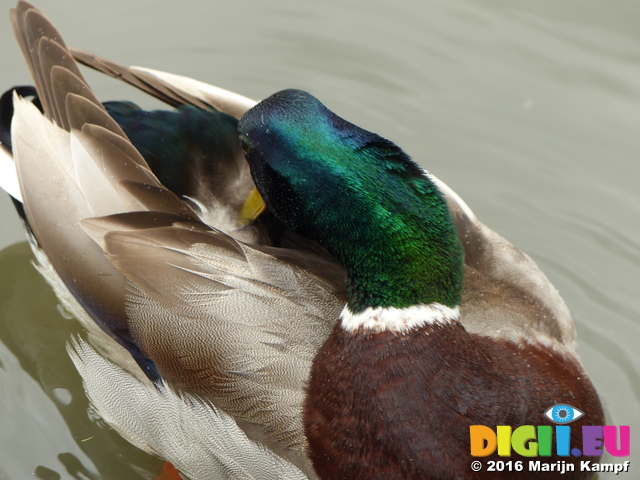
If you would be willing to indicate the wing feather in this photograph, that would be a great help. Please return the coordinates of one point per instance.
(225, 319)
(68, 173)
(172, 89)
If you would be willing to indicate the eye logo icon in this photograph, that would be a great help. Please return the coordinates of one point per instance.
(563, 413)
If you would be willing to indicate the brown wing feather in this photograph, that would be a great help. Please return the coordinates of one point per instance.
(158, 90)
(74, 156)
(174, 90)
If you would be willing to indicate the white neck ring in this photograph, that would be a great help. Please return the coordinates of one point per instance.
(380, 319)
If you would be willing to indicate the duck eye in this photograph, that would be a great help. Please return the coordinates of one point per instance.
(244, 145)
(563, 413)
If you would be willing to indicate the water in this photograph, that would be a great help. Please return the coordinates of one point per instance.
(530, 110)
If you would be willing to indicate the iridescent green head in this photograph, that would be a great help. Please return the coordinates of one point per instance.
(360, 196)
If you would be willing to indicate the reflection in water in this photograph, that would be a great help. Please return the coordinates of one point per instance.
(38, 382)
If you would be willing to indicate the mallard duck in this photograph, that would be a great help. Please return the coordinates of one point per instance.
(269, 290)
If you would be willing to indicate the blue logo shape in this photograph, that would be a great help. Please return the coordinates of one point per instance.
(563, 413)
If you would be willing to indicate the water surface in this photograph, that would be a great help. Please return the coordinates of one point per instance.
(530, 110)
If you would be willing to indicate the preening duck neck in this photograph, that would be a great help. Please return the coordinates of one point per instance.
(398, 252)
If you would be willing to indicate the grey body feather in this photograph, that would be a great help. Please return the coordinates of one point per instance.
(204, 443)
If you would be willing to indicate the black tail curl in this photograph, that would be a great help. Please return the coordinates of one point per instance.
(6, 111)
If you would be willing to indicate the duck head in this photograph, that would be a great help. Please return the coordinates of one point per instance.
(360, 196)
